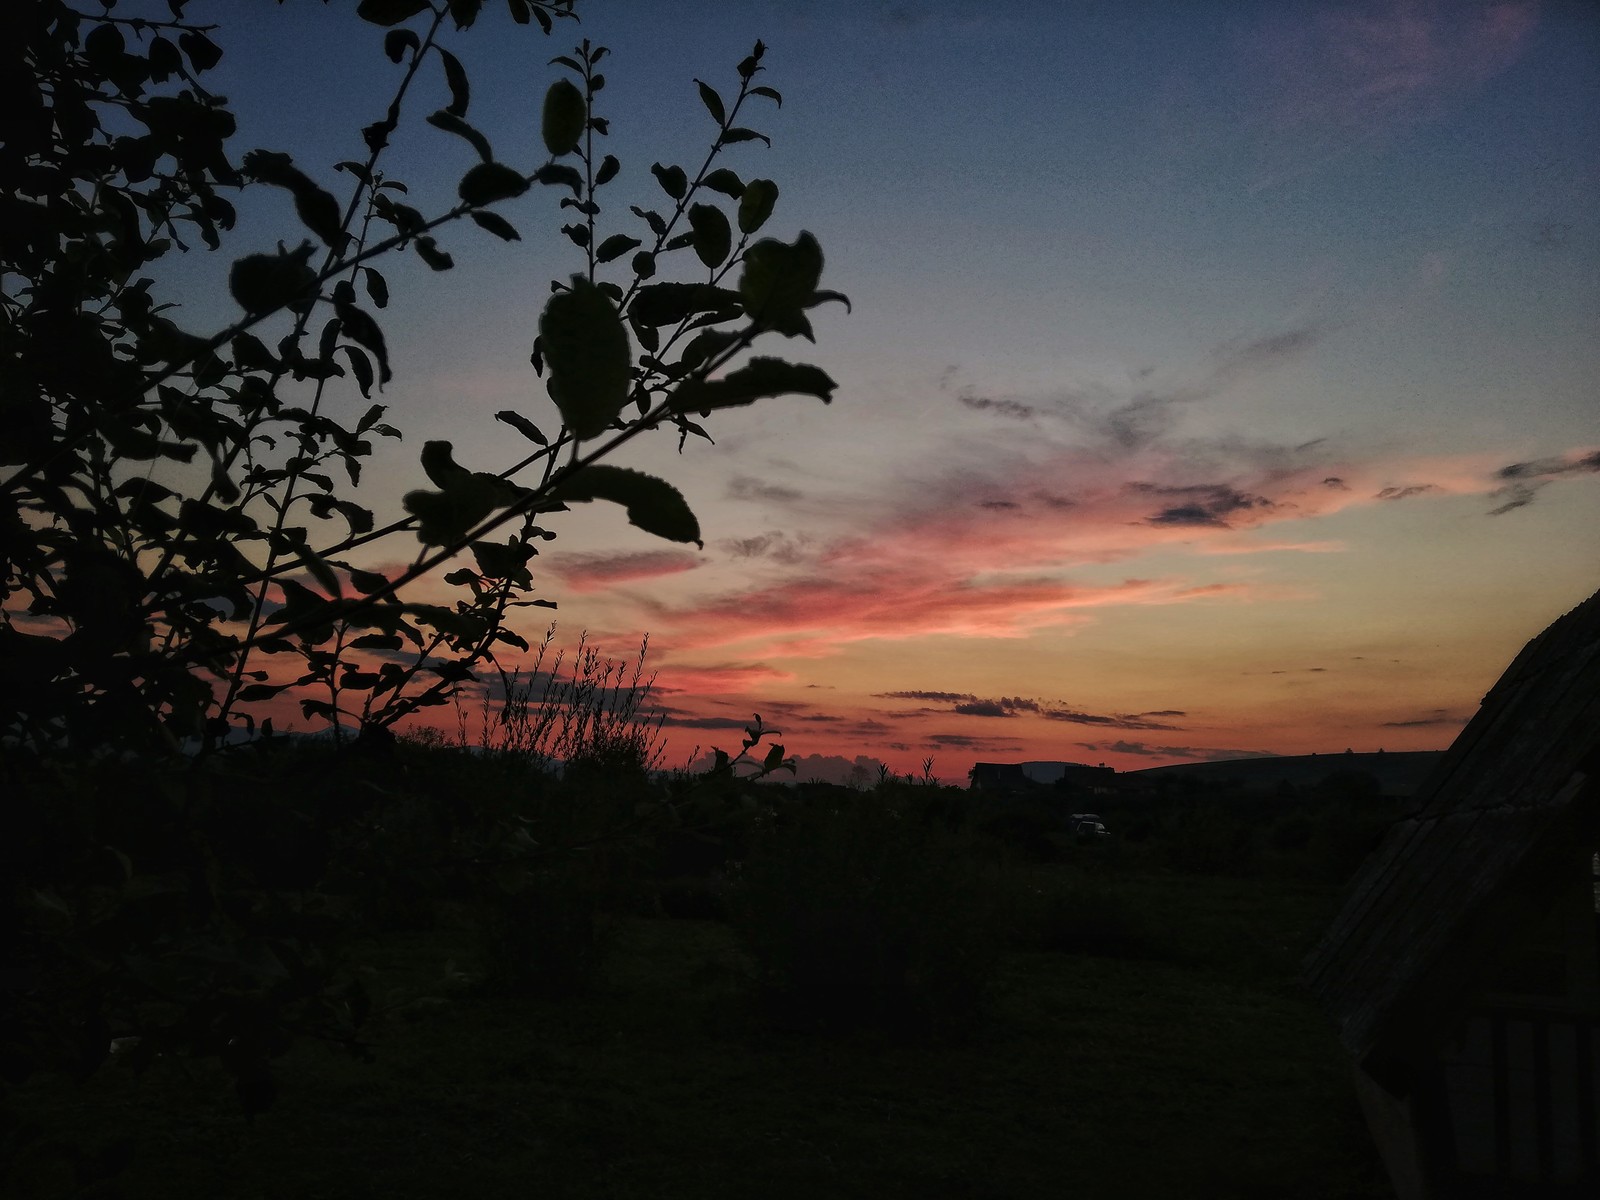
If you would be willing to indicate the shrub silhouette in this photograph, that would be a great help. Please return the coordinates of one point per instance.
(183, 553)
(861, 917)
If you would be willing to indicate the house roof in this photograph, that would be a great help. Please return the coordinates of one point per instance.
(1437, 902)
(1000, 774)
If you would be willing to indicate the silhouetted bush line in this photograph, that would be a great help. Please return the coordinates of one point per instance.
(171, 891)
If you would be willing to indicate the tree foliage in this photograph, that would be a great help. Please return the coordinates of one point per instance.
(181, 529)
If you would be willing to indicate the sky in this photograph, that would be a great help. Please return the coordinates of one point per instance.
(1220, 378)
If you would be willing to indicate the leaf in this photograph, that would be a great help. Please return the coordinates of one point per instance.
(465, 12)
(377, 641)
(672, 180)
(737, 134)
(321, 571)
(202, 51)
(250, 354)
(523, 426)
(456, 78)
(451, 123)
(779, 281)
(705, 344)
(428, 250)
(389, 12)
(377, 287)
(609, 166)
(565, 115)
(713, 102)
(554, 173)
(724, 181)
(367, 581)
(502, 561)
(752, 63)
(439, 462)
(668, 303)
(317, 208)
(358, 518)
(361, 366)
(360, 327)
(756, 205)
(756, 380)
(826, 296)
(264, 283)
(397, 41)
(614, 247)
(165, 61)
(651, 218)
(497, 225)
(588, 355)
(252, 692)
(445, 517)
(713, 239)
(769, 93)
(490, 181)
(652, 504)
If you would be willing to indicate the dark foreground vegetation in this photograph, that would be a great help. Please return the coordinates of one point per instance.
(605, 984)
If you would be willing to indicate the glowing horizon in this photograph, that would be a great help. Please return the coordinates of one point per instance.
(1218, 382)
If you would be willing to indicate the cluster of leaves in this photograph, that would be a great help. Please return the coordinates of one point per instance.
(141, 599)
(179, 545)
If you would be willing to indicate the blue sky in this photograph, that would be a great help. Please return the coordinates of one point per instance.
(1191, 345)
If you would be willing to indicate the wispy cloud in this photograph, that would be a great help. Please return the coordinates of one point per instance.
(1345, 76)
(1437, 718)
(779, 547)
(1405, 492)
(1119, 721)
(1524, 480)
(743, 487)
(1014, 409)
(723, 679)
(967, 705)
(592, 572)
(1200, 504)
(1183, 753)
(1131, 420)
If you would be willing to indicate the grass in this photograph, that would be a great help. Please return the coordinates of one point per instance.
(1195, 1070)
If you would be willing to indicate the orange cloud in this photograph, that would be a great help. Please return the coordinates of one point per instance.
(724, 679)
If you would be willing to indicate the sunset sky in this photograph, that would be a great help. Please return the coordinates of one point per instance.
(1220, 380)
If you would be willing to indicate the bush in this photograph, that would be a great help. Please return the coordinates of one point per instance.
(1208, 839)
(541, 936)
(1086, 916)
(860, 917)
(1038, 834)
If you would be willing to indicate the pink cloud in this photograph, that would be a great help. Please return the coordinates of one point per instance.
(593, 572)
(720, 680)
(988, 551)
(814, 616)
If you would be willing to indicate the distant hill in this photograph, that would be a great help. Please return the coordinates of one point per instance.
(1398, 773)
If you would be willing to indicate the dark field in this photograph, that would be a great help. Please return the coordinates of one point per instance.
(1143, 1037)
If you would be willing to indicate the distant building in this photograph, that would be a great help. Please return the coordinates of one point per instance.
(1078, 779)
(1003, 778)
(1464, 970)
